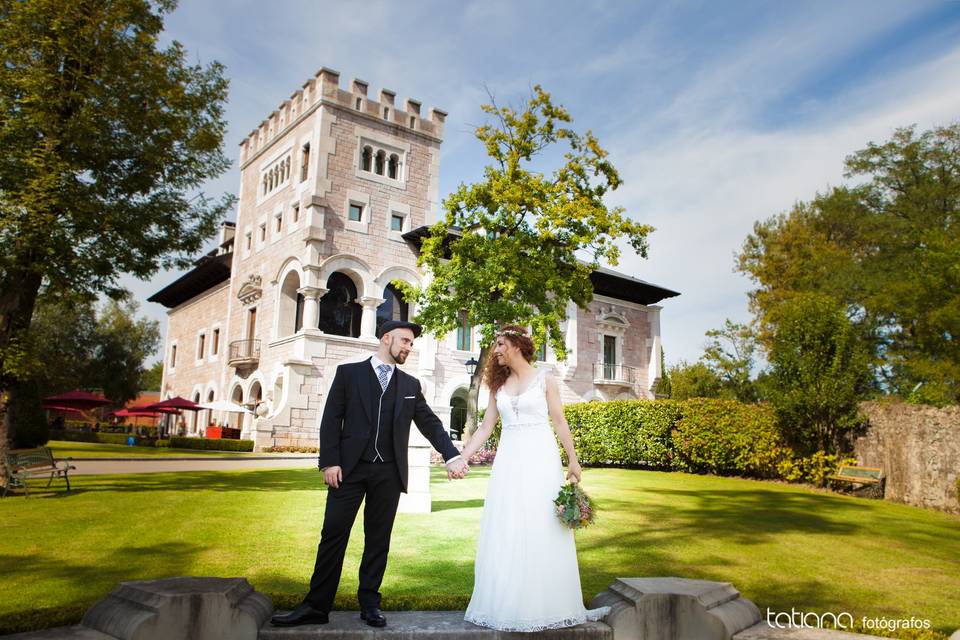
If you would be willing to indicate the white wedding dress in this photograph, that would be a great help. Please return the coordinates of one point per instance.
(526, 576)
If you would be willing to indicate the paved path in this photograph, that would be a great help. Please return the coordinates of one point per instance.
(97, 466)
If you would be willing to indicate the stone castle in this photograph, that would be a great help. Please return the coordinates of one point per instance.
(336, 193)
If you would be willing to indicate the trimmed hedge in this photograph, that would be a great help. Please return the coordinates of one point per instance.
(93, 436)
(700, 435)
(631, 433)
(727, 437)
(214, 444)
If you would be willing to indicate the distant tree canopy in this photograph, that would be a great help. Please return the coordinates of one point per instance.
(106, 140)
(887, 249)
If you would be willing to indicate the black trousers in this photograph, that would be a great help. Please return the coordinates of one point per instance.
(378, 484)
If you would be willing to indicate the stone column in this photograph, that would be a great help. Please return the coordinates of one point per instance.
(368, 321)
(417, 498)
(311, 305)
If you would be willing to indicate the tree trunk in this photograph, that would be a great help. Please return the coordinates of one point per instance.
(18, 296)
(472, 395)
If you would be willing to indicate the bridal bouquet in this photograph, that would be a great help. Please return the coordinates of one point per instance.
(575, 509)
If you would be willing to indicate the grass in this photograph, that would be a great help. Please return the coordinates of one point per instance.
(65, 449)
(782, 546)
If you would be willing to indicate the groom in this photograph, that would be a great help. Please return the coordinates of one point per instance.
(363, 456)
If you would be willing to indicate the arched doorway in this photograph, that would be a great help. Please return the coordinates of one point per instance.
(195, 415)
(233, 419)
(458, 413)
(291, 306)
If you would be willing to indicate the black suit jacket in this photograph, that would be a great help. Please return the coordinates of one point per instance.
(350, 418)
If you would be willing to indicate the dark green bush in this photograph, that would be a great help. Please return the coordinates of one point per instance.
(727, 437)
(213, 444)
(163, 444)
(623, 432)
(91, 436)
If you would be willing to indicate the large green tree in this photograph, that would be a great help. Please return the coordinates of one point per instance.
(520, 244)
(819, 371)
(107, 138)
(887, 248)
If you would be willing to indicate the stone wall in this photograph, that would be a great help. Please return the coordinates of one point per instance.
(918, 448)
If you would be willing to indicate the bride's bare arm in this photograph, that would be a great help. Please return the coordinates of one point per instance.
(555, 407)
(482, 434)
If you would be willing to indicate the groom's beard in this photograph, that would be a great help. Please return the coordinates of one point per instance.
(399, 357)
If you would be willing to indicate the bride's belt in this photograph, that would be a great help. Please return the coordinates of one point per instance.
(527, 425)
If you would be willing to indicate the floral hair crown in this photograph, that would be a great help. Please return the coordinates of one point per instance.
(513, 332)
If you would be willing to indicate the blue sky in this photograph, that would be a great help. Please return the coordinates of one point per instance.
(717, 114)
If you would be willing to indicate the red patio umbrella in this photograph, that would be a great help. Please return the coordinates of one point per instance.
(76, 399)
(175, 404)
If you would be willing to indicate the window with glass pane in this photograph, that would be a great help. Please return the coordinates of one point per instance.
(396, 222)
(356, 212)
(609, 357)
(463, 333)
(541, 353)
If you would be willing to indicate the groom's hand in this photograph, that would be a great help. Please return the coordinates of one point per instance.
(333, 476)
(457, 469)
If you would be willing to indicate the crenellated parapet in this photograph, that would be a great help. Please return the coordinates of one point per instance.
(324, 89)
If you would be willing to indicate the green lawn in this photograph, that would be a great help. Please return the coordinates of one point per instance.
(783, 546)
(64, 449)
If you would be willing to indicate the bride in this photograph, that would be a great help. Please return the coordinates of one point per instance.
(526, 576)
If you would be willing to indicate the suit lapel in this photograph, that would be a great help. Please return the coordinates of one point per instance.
(366, 389)
(401, 392)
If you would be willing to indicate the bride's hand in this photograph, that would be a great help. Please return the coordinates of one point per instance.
(574, 471)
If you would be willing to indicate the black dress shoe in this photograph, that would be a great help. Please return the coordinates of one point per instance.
(373, 617)
(302, 614)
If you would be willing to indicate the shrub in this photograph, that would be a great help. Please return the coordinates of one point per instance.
(727, 437)
(623, 432)
(814, 469)
(214, 444)
(162, 443)
(291, 449)
(92, 436)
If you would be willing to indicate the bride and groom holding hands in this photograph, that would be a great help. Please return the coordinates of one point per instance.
(525, 576)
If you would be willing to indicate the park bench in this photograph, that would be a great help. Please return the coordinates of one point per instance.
(21, 464)
(868, 476)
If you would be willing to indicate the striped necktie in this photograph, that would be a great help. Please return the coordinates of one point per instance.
(383, 371)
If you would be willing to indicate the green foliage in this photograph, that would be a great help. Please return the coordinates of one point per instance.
(819, 371)
(509, 248)
(106, 140)
(886, 249)
(162, 443)
(695, 380)
(214, 444)
(726, 437)
(623, 432)
(83, 346)
(93, 436)
(813, 469)
(730, 355)
(152, 377)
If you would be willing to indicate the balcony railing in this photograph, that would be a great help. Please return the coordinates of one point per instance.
(620, 374)
(243, 353)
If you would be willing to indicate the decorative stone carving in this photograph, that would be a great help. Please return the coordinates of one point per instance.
(251, 290)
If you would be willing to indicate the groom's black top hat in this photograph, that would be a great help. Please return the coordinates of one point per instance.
(390, 325)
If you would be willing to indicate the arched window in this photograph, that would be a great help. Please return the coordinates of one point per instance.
(393, 307)
(286, 168)
(195, 418)
(264, 185)
(378, 165)
(235, 420)
(208, 414)
(366, 158)
(291, 306)
(393, 166)
(339, 313)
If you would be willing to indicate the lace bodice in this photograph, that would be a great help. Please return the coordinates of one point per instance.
(528, 408)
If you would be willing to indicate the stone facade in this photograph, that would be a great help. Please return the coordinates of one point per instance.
(330, 183)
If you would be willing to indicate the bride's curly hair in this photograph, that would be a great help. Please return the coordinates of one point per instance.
(496, 374)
